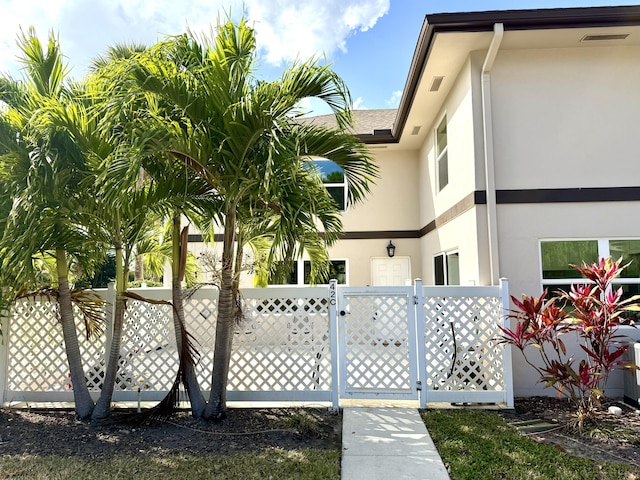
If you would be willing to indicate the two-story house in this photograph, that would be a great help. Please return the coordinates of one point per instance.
(515, 151)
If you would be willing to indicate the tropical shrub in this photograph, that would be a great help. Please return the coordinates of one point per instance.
(593, 310)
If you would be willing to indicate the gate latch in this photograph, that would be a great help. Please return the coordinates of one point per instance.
(418, 385)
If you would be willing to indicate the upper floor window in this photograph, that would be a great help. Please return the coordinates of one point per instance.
(334, 181)
(446, 269)
(557, 256)
(301, 274)
(442, 160)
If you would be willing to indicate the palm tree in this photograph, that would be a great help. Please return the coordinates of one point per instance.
(42, 171)
(241, 136)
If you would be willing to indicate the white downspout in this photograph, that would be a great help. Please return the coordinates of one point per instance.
(489, 162)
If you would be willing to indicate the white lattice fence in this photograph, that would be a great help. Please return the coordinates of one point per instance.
(37, 367)
(286, 347)
(464, 362)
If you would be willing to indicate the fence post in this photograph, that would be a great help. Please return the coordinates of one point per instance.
(507, 371)
(420, 328)
(333, 327)
(4, 360)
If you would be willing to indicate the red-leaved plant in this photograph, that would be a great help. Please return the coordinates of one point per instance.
(593, 311)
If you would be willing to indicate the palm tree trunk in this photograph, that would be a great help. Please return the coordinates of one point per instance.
(187, 366)
(217, 406)
(82, 398)
(103, 406)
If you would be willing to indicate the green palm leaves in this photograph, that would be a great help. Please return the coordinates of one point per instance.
(182, 128)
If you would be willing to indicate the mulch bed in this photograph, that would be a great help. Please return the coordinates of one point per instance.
(47, 432)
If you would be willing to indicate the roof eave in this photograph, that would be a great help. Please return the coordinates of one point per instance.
(512, 20)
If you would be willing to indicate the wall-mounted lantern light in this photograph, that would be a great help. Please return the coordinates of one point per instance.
(391, 249)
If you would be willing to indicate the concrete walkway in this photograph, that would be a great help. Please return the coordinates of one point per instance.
(388, 443)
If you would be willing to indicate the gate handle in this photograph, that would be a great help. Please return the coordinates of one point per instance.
(342, 313)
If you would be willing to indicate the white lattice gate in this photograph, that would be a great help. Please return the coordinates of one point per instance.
(377, 342)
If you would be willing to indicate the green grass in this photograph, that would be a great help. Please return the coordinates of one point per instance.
(481, 445)
(266, 465)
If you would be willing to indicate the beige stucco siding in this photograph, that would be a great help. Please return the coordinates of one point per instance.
(358, 254)
(392, 203)
(562, 116)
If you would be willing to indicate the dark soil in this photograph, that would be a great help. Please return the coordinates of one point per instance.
(612, 438)
(47, 432)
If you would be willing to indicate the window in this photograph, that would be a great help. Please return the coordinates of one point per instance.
(446, 269)
(301, 274)
(557, 256)
(442, 160)
(334, 181)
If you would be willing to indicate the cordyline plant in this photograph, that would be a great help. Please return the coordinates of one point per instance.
(593, 311)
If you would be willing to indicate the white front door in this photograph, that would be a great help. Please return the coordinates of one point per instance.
(394, 271)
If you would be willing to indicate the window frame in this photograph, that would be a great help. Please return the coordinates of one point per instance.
(300, 270)
(445, 264)
(604, 251)
(442, 157)
(343, 185)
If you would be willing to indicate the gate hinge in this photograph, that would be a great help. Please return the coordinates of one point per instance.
(418, 385)
(415, 299)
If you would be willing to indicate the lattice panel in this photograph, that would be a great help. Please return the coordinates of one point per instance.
(148, 356)
(200, 318)
(36, 357)
(375, 333)
(283, 345)
(460, 343)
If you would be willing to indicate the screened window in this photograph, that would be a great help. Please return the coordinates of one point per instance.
(446, 269)
(442, 160)
(334, 181)
(557, 256)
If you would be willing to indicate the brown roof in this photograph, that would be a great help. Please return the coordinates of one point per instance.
(367, 123)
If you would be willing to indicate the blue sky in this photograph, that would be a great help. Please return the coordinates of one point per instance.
(356, 36)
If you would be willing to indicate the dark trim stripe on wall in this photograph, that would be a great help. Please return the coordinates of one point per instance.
(503, 197)
(568, 195)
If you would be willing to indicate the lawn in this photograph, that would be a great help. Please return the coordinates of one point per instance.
(482, 445)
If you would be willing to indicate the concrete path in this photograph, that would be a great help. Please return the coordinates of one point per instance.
(388, 443)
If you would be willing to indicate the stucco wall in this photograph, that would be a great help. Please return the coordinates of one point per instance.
(458, 109)
(460, 235)
(521, 227)
(563, 116)
(392, 203)
(359, 254)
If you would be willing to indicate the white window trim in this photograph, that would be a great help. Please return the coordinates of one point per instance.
(444, 152)
(603, 252)
(444, 254)
(344, 184)
(300, 274)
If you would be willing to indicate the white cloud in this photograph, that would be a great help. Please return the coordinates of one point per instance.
(394, 100)
(286, 29)
(289, 29)
(358, 105)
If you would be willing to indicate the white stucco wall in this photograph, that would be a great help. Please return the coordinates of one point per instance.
(458, 108)
(459, 235)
